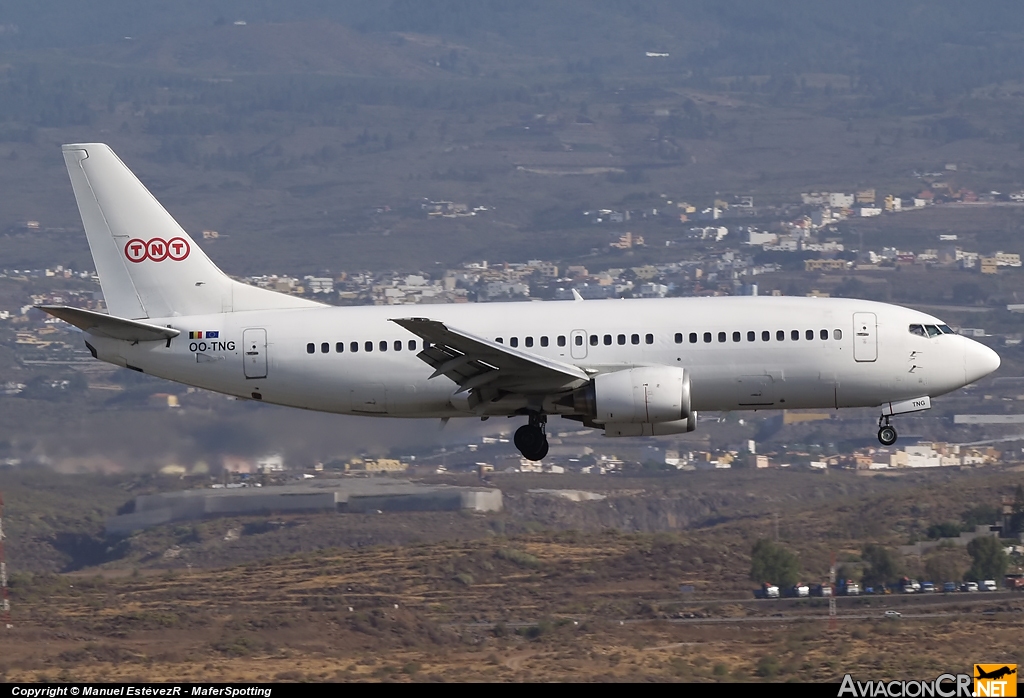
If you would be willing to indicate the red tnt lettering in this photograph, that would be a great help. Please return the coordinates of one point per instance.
(177, 249)
(135, 250)
(156, 249)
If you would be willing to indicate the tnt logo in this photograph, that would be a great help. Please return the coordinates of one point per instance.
(995, 680)
(156, 249)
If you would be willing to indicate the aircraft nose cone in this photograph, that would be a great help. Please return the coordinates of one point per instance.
(979, 361)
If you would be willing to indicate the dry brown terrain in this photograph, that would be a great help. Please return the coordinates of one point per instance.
(537, 608)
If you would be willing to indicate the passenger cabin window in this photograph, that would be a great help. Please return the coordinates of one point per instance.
(634, 339)
(513, 341)
(693, 338)
(608, 339)
(721, 336)
(809, 334)
(795, 335)
(781, 335)
(368, 346)
(353, 347)
(561, 340)
(707, 338)
(679, 338)
(579, 340)
(499, 340)
(837, 334)
(765, 336)
(529, 341)
(383, 345)
(649, 339)
(593, 340)
(310, 348)
(325, 348)
(824, 334)
(736, 336)
(751, 336)
(339, 347)
(398, 345)
(544, 341)
(412, 345)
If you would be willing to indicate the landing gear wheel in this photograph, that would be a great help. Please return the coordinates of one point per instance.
(539, 454)
(887, 435)
(527, 438)
(531, 440)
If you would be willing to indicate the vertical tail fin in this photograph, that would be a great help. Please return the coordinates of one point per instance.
(149, 267)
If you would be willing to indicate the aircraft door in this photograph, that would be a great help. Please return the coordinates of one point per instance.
(578, 344)
(755, 391)
(865, 337)
(254, 349)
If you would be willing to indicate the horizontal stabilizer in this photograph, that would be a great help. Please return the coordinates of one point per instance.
(103, 325)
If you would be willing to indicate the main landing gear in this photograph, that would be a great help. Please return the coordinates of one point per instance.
(886, 432)
(530, 438)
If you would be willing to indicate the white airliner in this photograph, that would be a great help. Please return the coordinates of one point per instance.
(629, 367)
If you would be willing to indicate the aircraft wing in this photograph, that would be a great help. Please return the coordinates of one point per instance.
(103, 325)
(476, 363)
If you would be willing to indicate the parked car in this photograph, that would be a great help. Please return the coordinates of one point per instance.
(797, 591)
(969, 586)
(989, 585)
(948, 587)
(892, 614)
(927, 588)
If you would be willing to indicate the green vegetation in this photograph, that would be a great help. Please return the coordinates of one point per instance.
(1017, 513)
(946, 529)
(989, 559)
(882, 566)
(770, 562)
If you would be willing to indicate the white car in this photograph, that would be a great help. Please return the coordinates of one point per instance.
(989, 585)
(892, 614)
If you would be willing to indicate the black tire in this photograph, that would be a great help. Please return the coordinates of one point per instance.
(521, 438)
(530, 441)
(887, 436)
(540, 452)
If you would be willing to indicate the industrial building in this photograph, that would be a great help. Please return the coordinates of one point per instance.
(340, 495)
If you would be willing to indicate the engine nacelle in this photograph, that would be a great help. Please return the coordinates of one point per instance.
(647, 395)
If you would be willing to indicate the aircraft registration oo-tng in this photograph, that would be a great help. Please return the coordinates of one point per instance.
(639, 367)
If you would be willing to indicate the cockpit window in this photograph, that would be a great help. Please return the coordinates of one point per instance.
(918, 330)
(946, 329)
(933, 331)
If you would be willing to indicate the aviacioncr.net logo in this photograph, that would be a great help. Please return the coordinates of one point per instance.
(995, 680)
(944, 686)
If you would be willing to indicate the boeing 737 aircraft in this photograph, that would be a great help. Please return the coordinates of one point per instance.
(629, 367)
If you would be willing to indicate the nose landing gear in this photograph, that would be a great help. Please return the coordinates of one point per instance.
(530, 438)
(886, 433)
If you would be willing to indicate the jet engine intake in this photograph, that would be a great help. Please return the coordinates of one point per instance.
(645, 395)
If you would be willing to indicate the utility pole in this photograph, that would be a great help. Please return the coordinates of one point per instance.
(5, 604)
(832, 620)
